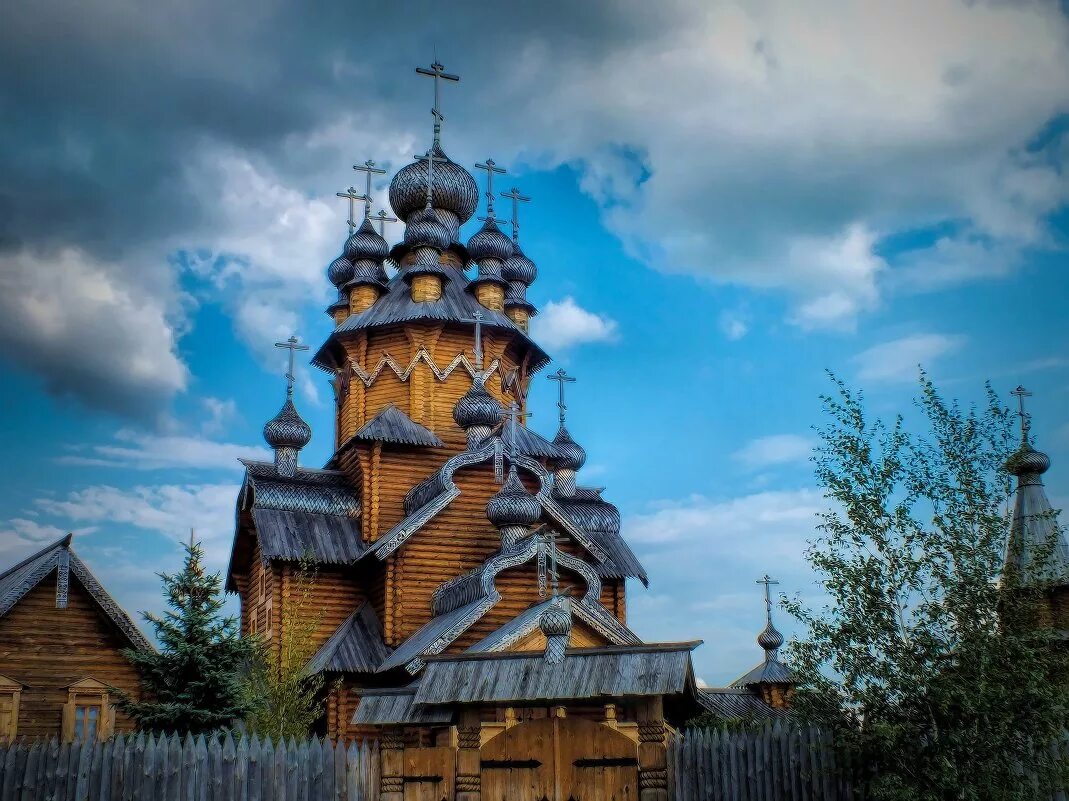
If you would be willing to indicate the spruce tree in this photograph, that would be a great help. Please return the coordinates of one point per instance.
(194, 682)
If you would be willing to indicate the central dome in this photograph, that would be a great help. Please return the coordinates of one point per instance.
(454, 188)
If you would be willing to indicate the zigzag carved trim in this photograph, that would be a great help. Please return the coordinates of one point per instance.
(422, 355)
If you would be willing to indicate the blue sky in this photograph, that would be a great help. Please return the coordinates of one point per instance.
(728, 200)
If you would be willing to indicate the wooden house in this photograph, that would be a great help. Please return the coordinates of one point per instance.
(61, 642)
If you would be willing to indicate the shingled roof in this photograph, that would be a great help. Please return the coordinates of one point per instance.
(394, 426)
(357, 646)
(17, 581)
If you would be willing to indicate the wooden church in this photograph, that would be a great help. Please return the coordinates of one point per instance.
(471, 587)
(61, 642)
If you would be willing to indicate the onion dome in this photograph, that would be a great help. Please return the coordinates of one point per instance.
(1028, 461)
(478, 408)
(287, 429)
(366, 271)
(516, 296)
(424, 228)
(572, 454)
(513, 505)
(770, 639)
(490, 243)
(518, 267)
(366, 243)
(340, 271)
(556, 620)
(454, 189)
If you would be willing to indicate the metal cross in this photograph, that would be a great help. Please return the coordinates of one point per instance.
(768, 581)
(292, 346)
(516, 198)
(370, 169)
(478, 318)
(490, 168)
(430, 158)
(550, 540)
(513, 413)
(437, 71)
(561, 378)
(384, 218)
(353, 197)
(1026, 419)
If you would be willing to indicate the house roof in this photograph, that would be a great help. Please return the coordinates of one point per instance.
(18, 580)
(619, 672)
(394, 426)
(771, 671)
(395, 706)
(732, 702)
(357, 646)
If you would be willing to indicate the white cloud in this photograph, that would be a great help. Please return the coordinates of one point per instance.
(564, 323)
(91, 330)
(168, 509)
(19, 537)
(733, 324)
(157, 452)
(704, 555)
(776, 144)
(773, 450)
(220, 412)
(900, 359)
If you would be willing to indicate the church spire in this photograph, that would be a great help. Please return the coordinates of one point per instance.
(287, 432)
(572, 454)
(518, 270)
(1037, 551)
(770, 639)
(489, 248)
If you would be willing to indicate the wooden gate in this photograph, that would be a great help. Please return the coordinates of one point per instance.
(428, 774)
(560, 759)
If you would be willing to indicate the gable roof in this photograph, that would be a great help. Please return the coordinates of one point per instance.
(394, 426)
(730, 703)
(17, 581)
(358, 645)
(771, 671)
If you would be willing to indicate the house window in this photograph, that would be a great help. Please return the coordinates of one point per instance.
(86, 721)
(87, 715)
(10, 691)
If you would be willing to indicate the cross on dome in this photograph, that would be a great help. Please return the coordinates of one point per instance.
(562, 378)
(384, 218)
(353, 197)
(438, 73)
(1026, 419)
(430, 158)
(292, 346)
(478, 318)
(369, 169)
(768, 581)
(491, 169)
(516, 198)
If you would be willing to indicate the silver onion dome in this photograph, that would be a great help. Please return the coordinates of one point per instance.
(454, 189)
(572, 454)
(287, 429)
(365, 243)
(1028, 461)
(770, 639)
(424, 228)
(478, 408)
(489, 243)
(513, 505)
(366, 271)
(556, 620)
(340, 271)
(518, 267)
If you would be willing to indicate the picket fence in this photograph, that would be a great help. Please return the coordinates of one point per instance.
(161, 768)
(774, 763)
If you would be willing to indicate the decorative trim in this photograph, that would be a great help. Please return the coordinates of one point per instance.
(468, 736)
(422, 355)
(63, 578)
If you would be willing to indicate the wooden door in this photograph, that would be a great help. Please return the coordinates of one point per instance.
(429, 774)
(560, 759)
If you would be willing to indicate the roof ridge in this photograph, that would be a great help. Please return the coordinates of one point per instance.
(65, 541)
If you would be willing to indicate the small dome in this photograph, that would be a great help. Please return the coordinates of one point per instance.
(286, 429)
(519, 268)
(365, 243)
(770, 639)
(340, 271)
(424, 228)
(489, 243)
(367, 271)
(513, 505)
(454, 189)
(573, 457)
(1027, 461)
(556, 620)
(478, 408)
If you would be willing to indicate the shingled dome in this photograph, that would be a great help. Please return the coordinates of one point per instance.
(513, 505)
(365, 243)
(489, 243)
(287, 429)
(426, 229)
(519, 268)
(572, 454)
(454, 189)
(340, 271)
(477, 408)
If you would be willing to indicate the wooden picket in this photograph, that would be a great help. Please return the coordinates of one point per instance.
(146, 767)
